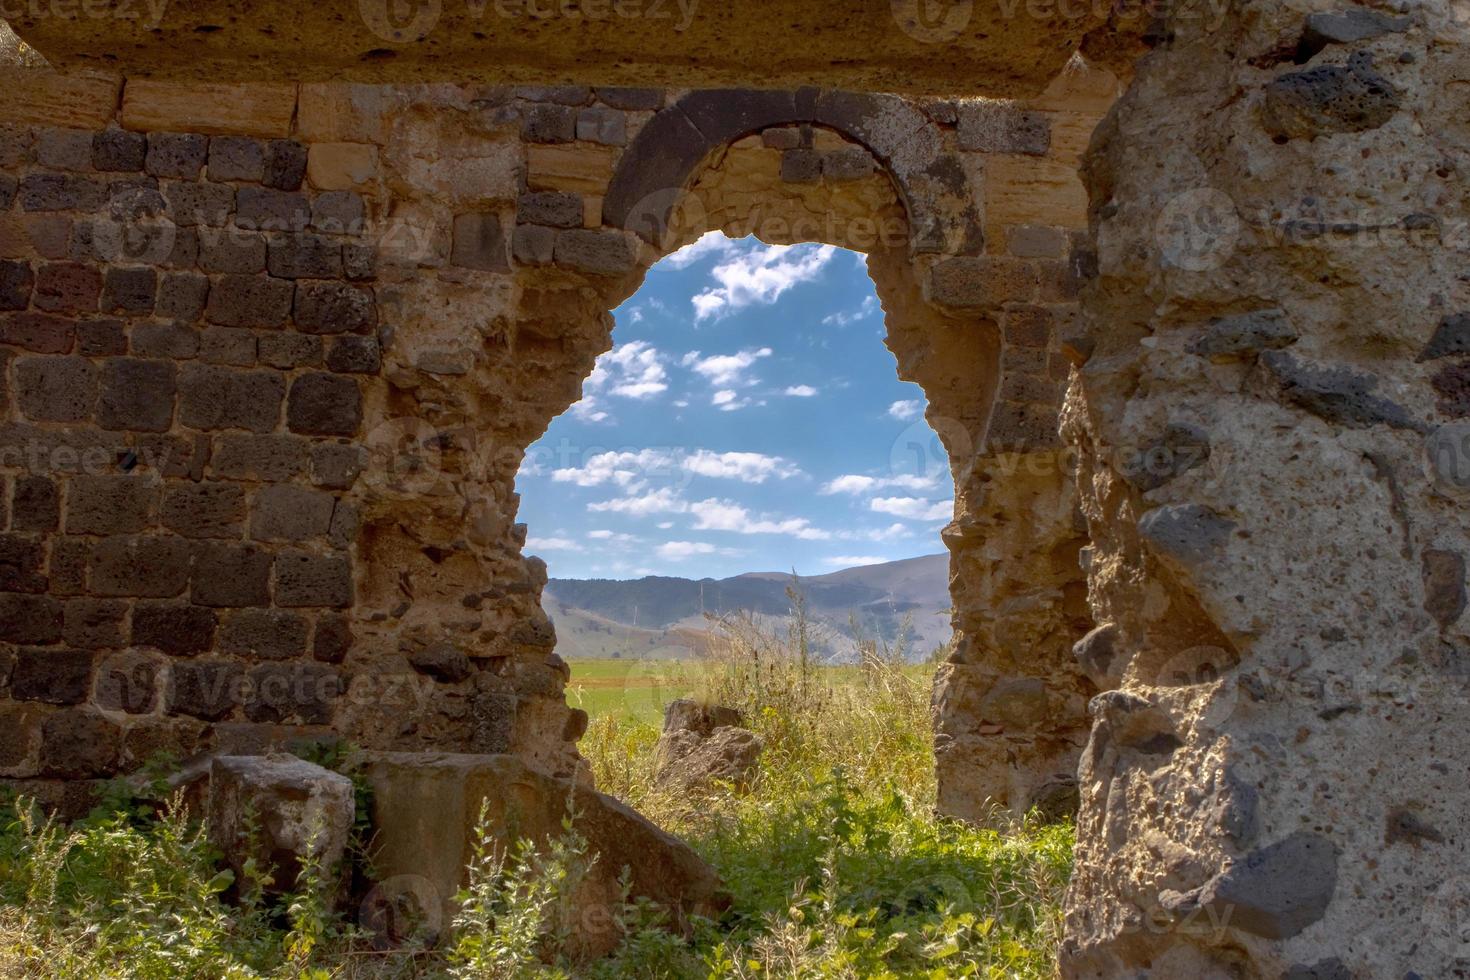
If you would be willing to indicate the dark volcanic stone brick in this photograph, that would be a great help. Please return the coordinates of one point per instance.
(35, 505)
(176, 341)
(549, 123)
(101, 338)
(53, 676)
(337, 466)
(236, 253)
(334, 307)
(324, 404)
(555, 209)
(94, 624)
(21, 558)
(16, 282)
(182, 295)
(1000, 127)
(172, 628)
(204, 510)
(9, 187)
(219, 398)
(533, 244)
(129, 291)
(207, 689)
(354, 355)
(305, 256)
(64, 149)
(271, 210)
(67, 287)
(201, 205)
(338, 213)
(1452, 336)
(69, 560)
(601, 253)
(632, 98)
(250, 301)
(62, 192)
(117, 150)
(801, 166)
(1328, 99)
(269, 457)
(267, 634)
(28, 618)
(77, 743)
(56, 389)
(1452, 384)
(176, 155)
(236, 158)
(1336, 394)
(599, 125)
(1444, 585)
(304, 579)
(136, 395)
(231, 575)
(332, 639)
(288, 350)
(227, 345)
(1277, 891)
(110, 504)
(285, 165)
(39, 332)
(290, 513)
(148, 567)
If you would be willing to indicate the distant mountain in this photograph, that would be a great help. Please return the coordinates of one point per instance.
(661, 616)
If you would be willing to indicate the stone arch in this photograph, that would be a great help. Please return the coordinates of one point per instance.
(897, 131)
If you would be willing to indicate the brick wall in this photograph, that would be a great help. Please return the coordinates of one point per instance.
(270, 356)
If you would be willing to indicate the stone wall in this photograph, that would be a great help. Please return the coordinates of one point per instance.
(273, 354)
(1270, 425)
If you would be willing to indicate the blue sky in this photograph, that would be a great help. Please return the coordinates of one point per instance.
(748, 418)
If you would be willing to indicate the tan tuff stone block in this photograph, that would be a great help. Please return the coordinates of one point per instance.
(341, 166)
(1021, 190)
(1070, 134)
(237, 110)
(342, 113)
(579, 167)
(44, 98)
(592, 211)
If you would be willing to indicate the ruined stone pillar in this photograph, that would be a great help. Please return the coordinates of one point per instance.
(1271, 432)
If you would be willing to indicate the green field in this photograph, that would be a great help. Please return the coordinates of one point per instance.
(639, 690)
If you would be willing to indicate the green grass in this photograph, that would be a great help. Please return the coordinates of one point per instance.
(836, 862)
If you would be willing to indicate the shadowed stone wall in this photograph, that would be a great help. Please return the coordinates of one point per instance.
(273, 355)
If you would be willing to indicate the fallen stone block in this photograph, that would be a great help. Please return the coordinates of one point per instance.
(279, 809)
(425, 810)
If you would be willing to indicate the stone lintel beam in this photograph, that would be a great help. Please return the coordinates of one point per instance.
(988, 47)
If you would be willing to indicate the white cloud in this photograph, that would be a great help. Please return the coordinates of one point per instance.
(855, 483)
(588, 410)
(726, 370)
(759, 276)
(842, 319)
(726, 515)
(661, 501)
(745, 467)
(634, 370)
(710, 243)
(621, 468)
(905, 410)
(801, 391)
(680, 550)
(551, 544)
(616, 537)
(913, 508)
(728, 401)
(851, 561)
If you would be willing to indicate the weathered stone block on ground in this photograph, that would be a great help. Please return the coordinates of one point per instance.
(299, 811)
(425, 807)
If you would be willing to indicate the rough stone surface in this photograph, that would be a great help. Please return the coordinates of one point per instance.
(425, 807)
(298, 811)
